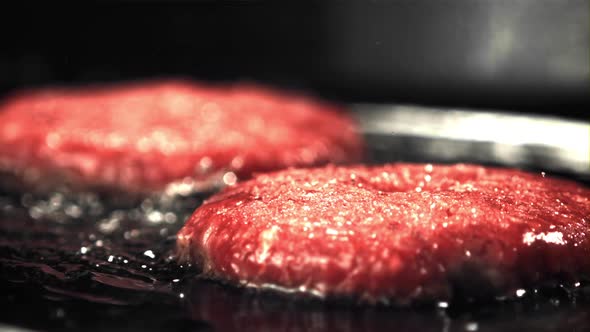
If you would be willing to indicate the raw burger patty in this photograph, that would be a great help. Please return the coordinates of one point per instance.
(399, 232)
(142, 137)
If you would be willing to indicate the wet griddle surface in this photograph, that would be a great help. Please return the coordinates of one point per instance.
(94, 269)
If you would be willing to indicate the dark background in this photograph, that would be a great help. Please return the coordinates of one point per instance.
(519, 55)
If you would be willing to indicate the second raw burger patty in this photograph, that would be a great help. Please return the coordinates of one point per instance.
(399, 232)
(142, 137)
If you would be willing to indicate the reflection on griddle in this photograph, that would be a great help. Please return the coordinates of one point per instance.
(228, 309)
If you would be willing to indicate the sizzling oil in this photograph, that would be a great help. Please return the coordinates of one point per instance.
(72, 248)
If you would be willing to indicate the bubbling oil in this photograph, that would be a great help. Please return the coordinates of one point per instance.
(70, 237)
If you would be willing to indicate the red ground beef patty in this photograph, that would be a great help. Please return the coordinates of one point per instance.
(399, 232)
(143, 136)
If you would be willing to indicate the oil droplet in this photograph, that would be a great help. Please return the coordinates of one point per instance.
(520, 292)
(155, 217)
(205, 163)
(170, 217)
(150, 254)
(230, 178)
(73, 211)
(442, 304)
(237, 162)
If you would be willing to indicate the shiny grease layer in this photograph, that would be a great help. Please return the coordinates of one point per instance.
(394, 233)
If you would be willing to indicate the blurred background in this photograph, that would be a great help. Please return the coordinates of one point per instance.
(530, 56)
